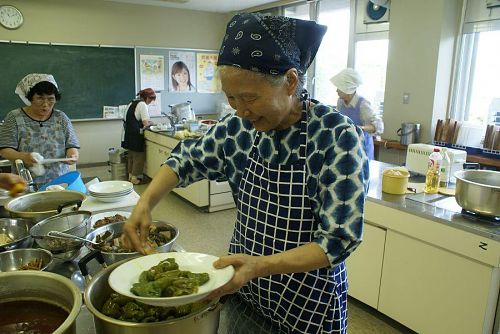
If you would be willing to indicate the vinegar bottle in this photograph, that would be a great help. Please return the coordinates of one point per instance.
(445, 169)
(433, 172)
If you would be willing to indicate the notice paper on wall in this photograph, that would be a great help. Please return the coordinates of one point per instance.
(154, 108)
(110, 112)
(152, 72)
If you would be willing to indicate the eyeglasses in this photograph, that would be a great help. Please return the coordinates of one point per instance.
(41, 100)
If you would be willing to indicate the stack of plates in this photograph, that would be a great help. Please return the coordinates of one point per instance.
(111, 191)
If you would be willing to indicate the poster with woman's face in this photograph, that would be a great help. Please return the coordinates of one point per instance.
(182, 66)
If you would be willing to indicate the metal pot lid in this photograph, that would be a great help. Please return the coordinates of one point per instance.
(180, 105)
(42, 201)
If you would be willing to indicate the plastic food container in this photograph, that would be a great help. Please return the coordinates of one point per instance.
(395, 180)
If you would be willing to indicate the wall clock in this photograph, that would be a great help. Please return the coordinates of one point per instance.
(10, 17)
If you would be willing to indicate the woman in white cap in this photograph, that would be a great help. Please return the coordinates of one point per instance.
(357, 107)
(39, 127)
(298, 173)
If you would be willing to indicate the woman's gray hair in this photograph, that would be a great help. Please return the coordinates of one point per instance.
(274, 80)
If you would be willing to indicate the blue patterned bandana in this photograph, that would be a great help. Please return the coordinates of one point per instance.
(270, 44)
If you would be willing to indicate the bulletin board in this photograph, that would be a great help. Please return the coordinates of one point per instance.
(89, 77)
(154, 70)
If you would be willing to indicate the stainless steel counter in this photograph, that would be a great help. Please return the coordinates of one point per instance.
(439, 208)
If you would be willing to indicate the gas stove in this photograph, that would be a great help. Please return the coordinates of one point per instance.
(480, 218)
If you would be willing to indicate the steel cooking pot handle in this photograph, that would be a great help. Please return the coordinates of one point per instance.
(78, 203)
(82, 264)
(400, 132)
(470, 165)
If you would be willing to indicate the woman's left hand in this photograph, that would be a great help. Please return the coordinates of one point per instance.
(246, 268)
(72, 153)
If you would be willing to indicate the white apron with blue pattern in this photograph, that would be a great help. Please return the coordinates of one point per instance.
(354, 113)
(48, 140)
(274, 215)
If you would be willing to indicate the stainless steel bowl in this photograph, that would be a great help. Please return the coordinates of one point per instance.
(74, 223)
(12, 260)
(18, 230)
(117, 229)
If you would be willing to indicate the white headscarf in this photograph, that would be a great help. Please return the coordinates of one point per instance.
(26, 83)
(347, 80)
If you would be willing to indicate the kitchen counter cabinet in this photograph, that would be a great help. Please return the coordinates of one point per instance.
(432, 290)
(365, 266)
(210, 194)
(426, 267)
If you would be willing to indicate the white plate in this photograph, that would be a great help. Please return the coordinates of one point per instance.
(110, 199)
(156, 128)
(110, 187)
(102, 215)
(122, 278)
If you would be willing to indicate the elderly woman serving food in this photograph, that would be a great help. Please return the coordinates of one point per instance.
(39, 128)
(298, 172)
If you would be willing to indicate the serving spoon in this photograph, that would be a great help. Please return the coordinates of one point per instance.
(106, 236)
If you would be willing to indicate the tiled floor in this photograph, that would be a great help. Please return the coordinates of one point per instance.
(210, 233)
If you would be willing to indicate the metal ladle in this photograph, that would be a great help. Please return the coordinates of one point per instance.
(63, 235)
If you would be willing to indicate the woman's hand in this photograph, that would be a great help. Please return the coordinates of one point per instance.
(72, 153)
(246, 268)
(28, 159)
(9, 181)
(136, 229)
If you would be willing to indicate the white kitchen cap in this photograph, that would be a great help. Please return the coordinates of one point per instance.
(29, 81)
(347, 80)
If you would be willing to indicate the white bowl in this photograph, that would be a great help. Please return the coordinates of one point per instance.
(125, 275)
(121, 193)
(110, 187)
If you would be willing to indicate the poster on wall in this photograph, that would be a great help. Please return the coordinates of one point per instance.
(182, 65)
(152, 72)
(205, 73)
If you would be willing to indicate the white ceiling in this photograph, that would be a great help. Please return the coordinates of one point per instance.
(220, 6)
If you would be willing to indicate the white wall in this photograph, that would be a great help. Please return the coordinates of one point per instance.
(420, 61)
(110, 23)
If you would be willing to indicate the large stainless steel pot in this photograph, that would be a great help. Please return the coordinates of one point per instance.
(182, 111)
(205, 321)
(43, 286)
(478, 191)
(43, 204)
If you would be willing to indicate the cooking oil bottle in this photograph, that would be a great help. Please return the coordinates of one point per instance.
(433, 172)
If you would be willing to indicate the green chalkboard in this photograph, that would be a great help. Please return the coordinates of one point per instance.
(89, 77)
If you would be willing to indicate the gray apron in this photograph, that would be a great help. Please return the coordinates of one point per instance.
(46, 138)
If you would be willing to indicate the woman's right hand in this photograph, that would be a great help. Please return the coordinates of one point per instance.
(28, 159)
(11, 182)
(136, 229)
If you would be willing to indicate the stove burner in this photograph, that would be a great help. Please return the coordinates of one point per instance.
(477, 217)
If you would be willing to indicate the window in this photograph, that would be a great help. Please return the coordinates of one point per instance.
(371, 62)
(477, 95)
(297, 12)
(333, 52)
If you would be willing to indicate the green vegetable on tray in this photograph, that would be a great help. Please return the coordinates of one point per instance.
(166, 280)
(127, 309)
